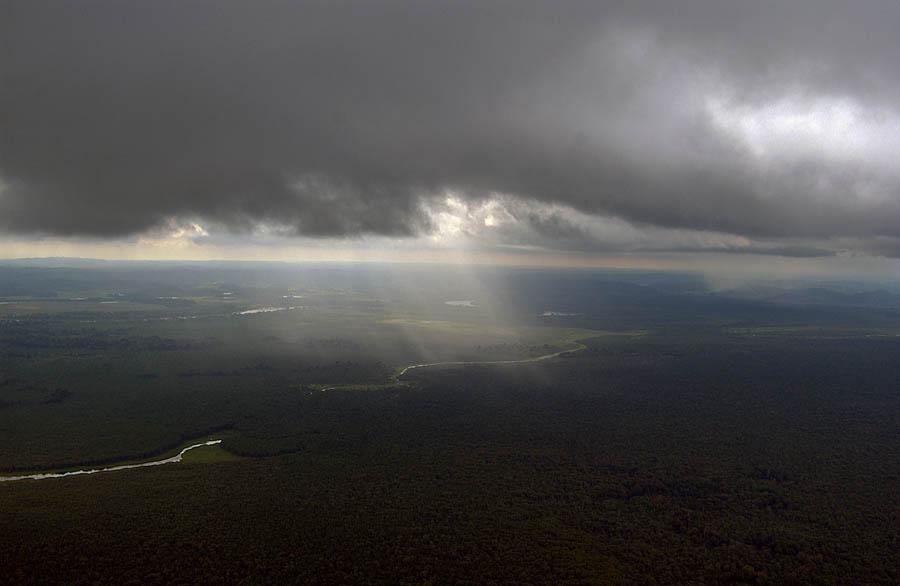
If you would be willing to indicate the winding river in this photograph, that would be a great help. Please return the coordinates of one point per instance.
(488, 362)
(396, 378)
(171, 460)
(178, 457)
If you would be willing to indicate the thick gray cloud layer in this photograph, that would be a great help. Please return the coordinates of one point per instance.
(769, 120)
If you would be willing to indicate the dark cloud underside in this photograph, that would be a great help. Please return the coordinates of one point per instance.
(337, 118)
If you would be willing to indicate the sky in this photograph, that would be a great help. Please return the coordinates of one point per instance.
(645, 133)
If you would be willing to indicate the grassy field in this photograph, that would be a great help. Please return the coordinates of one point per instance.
(208, 455)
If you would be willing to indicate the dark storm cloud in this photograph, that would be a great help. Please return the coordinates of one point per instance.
(337, 118)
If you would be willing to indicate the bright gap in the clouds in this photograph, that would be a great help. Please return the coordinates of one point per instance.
(834, 128)
(454, 217)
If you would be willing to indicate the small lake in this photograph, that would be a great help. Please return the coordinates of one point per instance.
(461, 303)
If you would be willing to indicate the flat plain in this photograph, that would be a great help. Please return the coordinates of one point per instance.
(679, 436)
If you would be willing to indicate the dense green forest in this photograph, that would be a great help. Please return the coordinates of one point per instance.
(755, 449)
